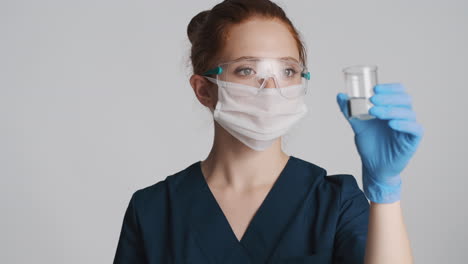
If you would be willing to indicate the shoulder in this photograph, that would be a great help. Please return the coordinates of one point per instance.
(345, 182)
(161, 191)
(342, 181)
(343, 186)
(347, 188)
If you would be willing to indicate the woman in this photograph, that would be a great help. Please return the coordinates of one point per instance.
(248, 201)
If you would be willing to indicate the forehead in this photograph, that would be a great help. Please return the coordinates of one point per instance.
(259, 37)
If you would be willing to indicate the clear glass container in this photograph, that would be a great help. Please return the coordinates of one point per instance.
(359, 85)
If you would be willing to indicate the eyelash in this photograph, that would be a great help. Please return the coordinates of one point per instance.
(292, 70)
(237, 71)
(243, 69)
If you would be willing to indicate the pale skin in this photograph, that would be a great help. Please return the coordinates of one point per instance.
(240, 178)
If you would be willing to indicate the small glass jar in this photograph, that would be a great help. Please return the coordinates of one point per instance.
(359, 85)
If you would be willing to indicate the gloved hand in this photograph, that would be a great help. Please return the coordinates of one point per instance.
(385, 143)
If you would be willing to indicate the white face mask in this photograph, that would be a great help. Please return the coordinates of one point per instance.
(256, 121)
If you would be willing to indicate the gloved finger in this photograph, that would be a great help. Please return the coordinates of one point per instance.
(396, 99)
(355, 123)
(392, 112)
(342, 100)
(407, 126)
(389, 88)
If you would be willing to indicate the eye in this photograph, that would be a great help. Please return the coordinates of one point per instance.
(290, 72)
(245, 71)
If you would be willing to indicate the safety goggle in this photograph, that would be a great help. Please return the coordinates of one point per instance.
(288, 76)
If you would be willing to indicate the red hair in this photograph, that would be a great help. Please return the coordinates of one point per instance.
(208, 29)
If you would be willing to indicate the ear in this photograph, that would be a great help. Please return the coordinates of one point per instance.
(204, 90)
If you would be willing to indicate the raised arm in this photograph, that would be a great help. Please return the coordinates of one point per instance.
(387, 239)
(385, 144)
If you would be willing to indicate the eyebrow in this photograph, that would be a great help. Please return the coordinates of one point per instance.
(252, 57)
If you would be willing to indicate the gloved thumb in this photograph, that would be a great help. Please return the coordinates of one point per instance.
(342, 100)
(356, 124)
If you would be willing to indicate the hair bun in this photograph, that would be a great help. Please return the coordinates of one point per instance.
(195, 24)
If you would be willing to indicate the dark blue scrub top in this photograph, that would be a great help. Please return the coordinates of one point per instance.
(307, 217)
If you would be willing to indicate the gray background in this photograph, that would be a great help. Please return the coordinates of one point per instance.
(95, 103)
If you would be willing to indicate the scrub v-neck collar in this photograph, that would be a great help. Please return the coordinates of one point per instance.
(219, 209)
(213, 232)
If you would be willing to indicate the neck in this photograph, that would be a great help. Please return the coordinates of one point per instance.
(232, 164)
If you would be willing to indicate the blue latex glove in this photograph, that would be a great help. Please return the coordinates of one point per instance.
(385, 143)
